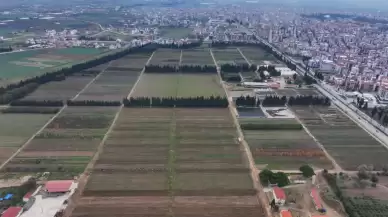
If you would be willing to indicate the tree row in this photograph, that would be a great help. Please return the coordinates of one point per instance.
(190, 102)
(274, 101)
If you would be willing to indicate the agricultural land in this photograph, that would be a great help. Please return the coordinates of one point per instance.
(20, 65)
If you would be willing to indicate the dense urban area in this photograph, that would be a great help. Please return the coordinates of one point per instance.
(170, 108)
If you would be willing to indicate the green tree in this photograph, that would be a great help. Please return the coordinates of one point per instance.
(307, 171)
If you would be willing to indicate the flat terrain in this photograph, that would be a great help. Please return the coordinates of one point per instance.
(345, 141)
(228, 55)
(66, 145)
(257, 55)
(181, 85)
(175, 33)
(283, 148)
(117, 80)
(161, 162)
(20, 65)
(166, 57)
(199, 56)
(16, 129)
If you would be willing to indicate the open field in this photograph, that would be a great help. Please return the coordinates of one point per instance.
(62, 90)
(297, 91)
(16, 129)
(197, 57)
(180, 85)
(176, 33)
(161, 207)
(257, 55)
(162, 162)
(345, 141)
(67, 144)
(282, 148)
(20, 65)
(166, 57)
(117, 80)
(228, 55)
(158, 152)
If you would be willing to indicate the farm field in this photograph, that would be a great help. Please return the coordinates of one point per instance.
(257, 55)
(283, 144)
(16, 129)
(62, 90)
(162, 207)
(228, 55)
(117, 80)
(158, 162)
(297, 91)
(147, 146)
(345, 141)
(66, 145)
(197, 57)
(180, 85)
(175, 33)
(166, 57)
(20, 65)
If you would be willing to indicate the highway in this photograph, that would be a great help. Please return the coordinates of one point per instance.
(364, 121)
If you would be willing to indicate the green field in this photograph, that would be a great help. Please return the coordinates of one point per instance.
(178, 85)
(20, 65)
(176, 33)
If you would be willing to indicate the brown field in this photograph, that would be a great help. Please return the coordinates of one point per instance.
(344, 140)
(117, 80)
(163, 207)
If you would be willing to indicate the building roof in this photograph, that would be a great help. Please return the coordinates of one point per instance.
(12, 211)
(28, 195)
(315, 196)
(285, 213)
(58, 186)
(279, 193)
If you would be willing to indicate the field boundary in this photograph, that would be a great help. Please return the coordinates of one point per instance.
(242, 54)
(260, 197)
(337, 167)
(47, 123)
(85, 175)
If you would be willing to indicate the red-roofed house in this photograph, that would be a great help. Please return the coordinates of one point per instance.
(58, 187)
(13, 211)
(317, 202)
(285, 213)
(279, 195)
(27, 196)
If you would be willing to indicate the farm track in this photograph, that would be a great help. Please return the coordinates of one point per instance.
(242, 54)
(48, 122)
(85, 176)
(260, 195)
(337, 167)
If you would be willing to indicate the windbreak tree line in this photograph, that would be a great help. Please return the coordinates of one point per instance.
(276, 101)
(93, 103)
(227, 67)
(182, 102)
(36, 103)
(182, 68)
(24, 87)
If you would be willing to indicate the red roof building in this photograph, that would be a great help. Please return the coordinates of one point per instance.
(279, 193)
(316, 200)
(13, 211)
(285, 213)
(59, 186)
(27, 196)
